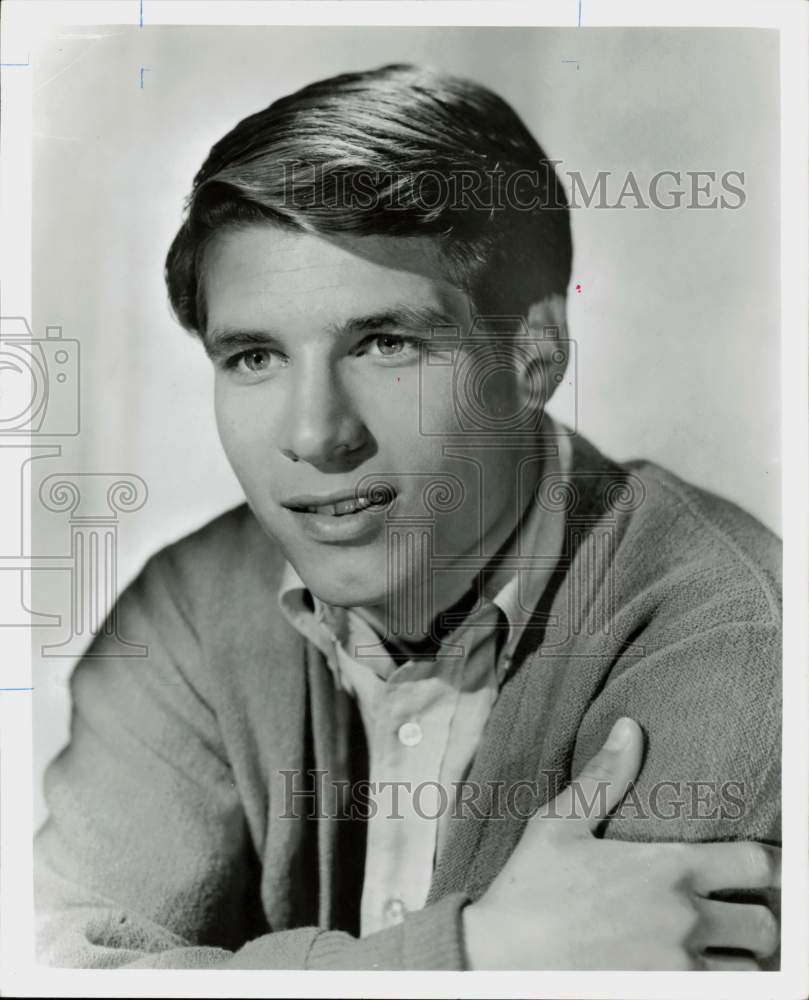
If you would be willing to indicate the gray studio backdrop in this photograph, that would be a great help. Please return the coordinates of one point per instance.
(676, 319)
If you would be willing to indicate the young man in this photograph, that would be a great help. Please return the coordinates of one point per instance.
(351, 744)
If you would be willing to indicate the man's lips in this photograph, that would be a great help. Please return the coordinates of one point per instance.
(344, 502)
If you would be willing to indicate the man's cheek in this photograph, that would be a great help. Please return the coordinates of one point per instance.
(251, 461)
(246, 437)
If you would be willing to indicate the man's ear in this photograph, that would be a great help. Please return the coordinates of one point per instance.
(547, 325)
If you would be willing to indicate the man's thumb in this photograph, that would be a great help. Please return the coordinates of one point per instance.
(600, 785)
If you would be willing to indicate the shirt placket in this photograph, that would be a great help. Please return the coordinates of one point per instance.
(412, 719)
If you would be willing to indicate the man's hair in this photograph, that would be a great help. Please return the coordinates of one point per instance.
(397, 151)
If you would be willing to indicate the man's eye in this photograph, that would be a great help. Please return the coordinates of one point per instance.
(255, 361)
(389, 345)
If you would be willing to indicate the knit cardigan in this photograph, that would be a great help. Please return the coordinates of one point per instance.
(171, 841)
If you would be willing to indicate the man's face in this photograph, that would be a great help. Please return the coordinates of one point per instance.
(316, 350)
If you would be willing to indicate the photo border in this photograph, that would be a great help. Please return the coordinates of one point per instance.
(25, 23)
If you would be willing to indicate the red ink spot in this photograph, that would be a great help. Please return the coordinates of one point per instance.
(578, 288)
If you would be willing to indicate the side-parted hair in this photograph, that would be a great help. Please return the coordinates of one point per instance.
(397, 151)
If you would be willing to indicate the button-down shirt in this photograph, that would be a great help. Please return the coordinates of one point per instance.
(424, 718)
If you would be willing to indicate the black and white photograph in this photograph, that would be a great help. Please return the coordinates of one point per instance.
(404, 459)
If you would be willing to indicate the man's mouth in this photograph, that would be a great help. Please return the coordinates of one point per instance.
(339, 505)
(337, 509)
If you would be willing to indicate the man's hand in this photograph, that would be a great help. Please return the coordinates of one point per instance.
(568, 900)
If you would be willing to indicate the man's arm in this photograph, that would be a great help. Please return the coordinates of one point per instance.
(146, 859)
(710, 706)
(708, 769)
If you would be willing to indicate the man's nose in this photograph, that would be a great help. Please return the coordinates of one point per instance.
(323, 426)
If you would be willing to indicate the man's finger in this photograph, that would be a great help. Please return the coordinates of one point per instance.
(737, 865)
(744, 926)
(720, 963)
(601, 784)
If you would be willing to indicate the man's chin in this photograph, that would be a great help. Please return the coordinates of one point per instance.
(340, 595)
(343, 576)
(342, 582)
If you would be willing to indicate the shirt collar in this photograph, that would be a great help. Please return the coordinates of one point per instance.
(519, 582)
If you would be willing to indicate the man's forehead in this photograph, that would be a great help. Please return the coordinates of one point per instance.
(280, 252)
(267, 268)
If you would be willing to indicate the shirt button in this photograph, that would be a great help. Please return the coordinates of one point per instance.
(410, 734)
(395, 910)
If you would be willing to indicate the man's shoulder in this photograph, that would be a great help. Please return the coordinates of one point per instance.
(229, 562)
(690, 594)
(670, 533)
(234, 529)
(705, 537)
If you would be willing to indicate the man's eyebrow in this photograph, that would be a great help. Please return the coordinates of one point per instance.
(224, 340)
(401, 317)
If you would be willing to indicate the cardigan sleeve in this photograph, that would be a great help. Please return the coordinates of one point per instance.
(710, 708)
(145, 859)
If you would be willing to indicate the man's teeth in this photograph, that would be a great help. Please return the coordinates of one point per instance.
(349, 506)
